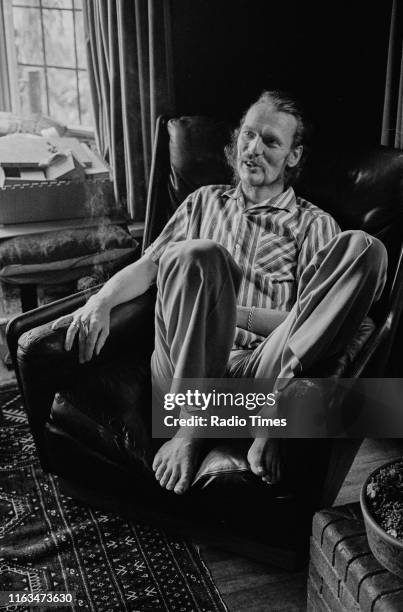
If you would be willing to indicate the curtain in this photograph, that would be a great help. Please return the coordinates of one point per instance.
(392, 124)
(5, 95)
(128, 44)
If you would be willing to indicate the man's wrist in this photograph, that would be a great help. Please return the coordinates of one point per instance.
(242, 316)
(249, 325)
(102, 302)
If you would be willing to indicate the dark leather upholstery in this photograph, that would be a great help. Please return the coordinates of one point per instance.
(188, 154)
(96, 432)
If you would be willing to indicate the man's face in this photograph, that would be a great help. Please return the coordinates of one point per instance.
(265, 147)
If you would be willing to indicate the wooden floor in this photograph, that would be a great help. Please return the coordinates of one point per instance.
(247, 586)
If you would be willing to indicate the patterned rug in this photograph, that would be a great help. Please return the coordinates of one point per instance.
(50, 543)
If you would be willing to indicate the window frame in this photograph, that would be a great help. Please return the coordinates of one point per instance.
(5, 102)
(8, 56)
(9, 97)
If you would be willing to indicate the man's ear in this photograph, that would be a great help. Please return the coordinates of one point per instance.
(294, 156)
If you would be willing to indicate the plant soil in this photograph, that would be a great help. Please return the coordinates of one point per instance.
(385, 498)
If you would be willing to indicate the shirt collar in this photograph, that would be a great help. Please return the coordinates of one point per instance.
(284, 201)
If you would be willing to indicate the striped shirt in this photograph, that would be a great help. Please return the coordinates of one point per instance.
(272, 242)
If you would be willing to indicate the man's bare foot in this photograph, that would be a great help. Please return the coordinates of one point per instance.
(175, 463)
(265, 459)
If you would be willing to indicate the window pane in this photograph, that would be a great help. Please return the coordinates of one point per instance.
(28, 35)
(85, 99)
(78, 4)
(32, 90)
(57, 3)
(26, 2)
(81, 55)
(63, 95)
(59, 37)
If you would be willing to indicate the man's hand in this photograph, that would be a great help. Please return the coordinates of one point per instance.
(91, 321)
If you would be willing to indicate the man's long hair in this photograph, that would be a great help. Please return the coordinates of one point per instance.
(284, 103)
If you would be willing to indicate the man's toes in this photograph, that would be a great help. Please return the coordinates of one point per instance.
(165, 476)
(270, 478)
(269, 475)
(257, 467)
(160, 471)
(255, 457)
(183, 483)
(157, 462)
(255, 463)
(273, 470)
(173, 480)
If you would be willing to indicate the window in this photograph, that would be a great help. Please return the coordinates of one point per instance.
(46, 59)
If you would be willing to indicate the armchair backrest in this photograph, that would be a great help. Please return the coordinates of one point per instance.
(188, 153)
(361, 188)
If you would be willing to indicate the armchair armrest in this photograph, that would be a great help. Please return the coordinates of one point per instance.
(31, 330)
(26, 321)
(42, 364)
(129, 321)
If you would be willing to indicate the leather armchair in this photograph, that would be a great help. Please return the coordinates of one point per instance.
(92, 422)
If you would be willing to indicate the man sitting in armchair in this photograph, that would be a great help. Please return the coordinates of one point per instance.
(252, 281)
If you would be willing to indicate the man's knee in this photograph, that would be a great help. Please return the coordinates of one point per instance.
(200, 253)
(362, 243)
(199, 259)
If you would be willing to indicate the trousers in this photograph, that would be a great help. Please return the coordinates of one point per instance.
(196, 310)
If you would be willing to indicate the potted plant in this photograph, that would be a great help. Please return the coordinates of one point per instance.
(382, 507)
